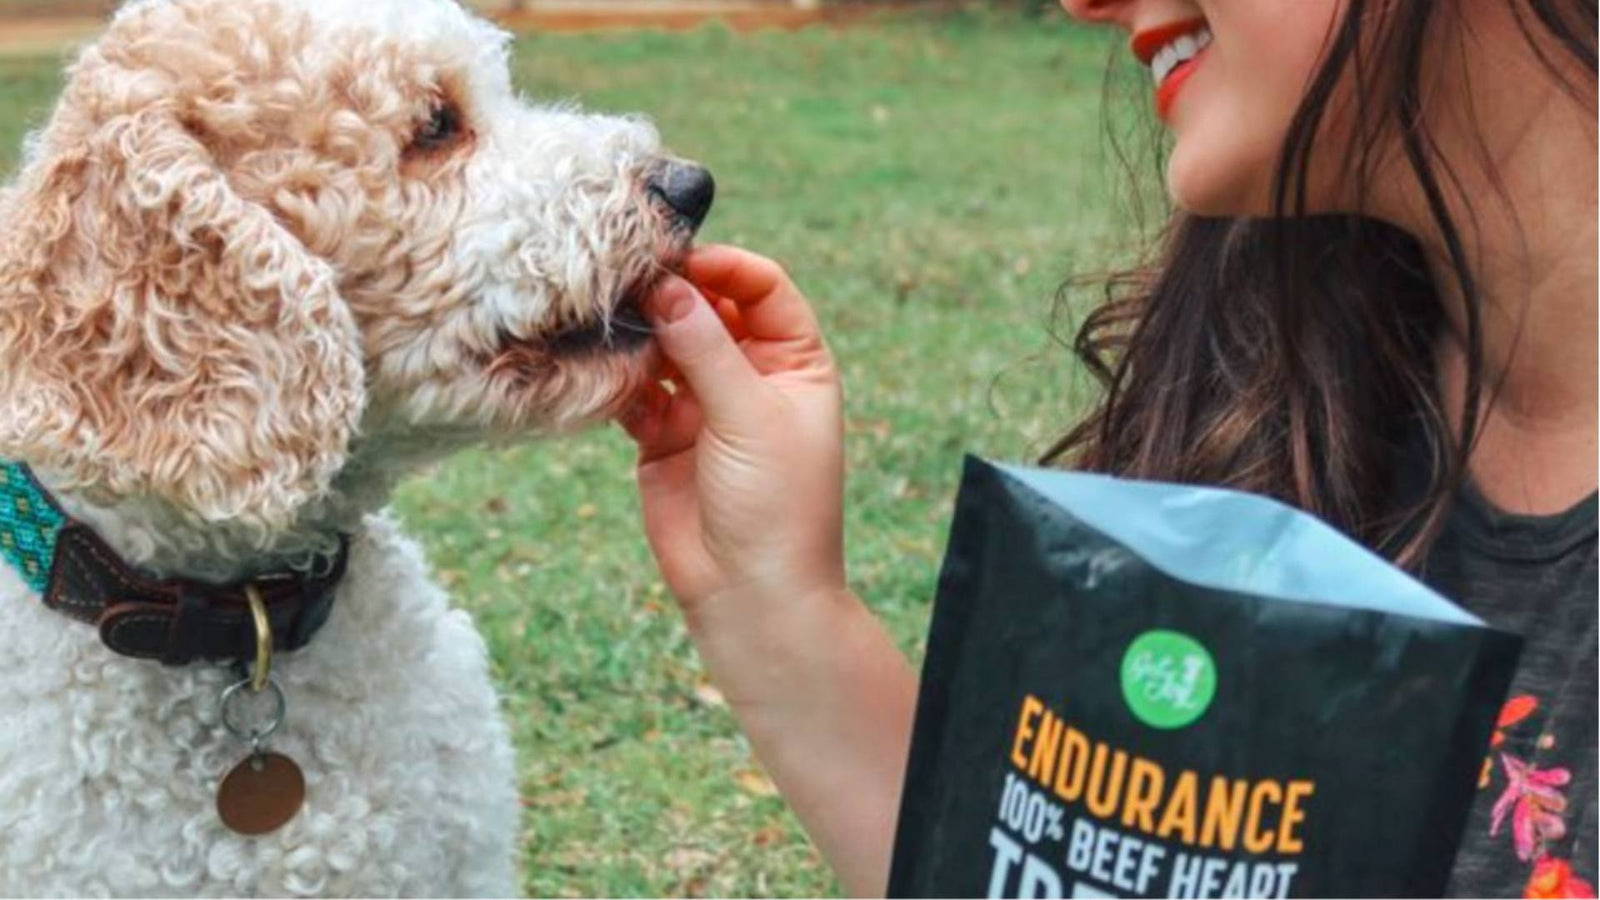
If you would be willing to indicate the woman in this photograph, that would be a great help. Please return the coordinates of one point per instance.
(1377, 303)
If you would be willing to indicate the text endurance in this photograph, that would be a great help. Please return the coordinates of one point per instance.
(1136, 827)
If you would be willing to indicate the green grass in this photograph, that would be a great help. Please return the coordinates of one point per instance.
(929, 184)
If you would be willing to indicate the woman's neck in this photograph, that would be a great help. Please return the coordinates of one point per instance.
(1536, 445)
(1529, 236)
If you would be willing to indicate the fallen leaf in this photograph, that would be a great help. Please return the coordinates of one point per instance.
(686, 860)
(552, 799)
(708, 695)
(756, 783)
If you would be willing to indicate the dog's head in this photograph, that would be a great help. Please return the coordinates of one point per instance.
(255, 227)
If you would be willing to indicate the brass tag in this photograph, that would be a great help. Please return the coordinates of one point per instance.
(261, 794)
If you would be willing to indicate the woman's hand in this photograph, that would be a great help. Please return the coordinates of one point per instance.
(741, 471)
(741, 467)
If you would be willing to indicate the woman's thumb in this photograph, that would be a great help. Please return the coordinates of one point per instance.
(692, 335)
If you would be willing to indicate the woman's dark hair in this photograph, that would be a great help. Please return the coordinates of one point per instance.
(1293, 356)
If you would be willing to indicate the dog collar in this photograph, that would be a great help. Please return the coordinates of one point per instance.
(176, 621)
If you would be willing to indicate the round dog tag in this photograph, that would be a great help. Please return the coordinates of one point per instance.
(261, 794)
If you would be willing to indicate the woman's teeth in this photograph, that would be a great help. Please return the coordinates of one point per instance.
(1178, 52)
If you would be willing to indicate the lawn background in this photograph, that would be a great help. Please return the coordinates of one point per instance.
(930, 183)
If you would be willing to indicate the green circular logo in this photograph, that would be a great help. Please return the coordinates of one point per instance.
(1168, 678)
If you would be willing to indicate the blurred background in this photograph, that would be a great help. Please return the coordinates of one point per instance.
(931, 173)
(636, 11)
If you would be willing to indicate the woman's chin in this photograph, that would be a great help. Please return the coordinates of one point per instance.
(1218, 185)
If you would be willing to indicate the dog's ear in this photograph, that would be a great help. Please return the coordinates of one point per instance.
(161, 335)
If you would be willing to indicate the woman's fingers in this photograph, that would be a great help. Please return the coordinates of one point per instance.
(695, 340)
(732, 318)
(671, 506)
(770, 306)
(642, 419)
(663, 424)
(750, 439)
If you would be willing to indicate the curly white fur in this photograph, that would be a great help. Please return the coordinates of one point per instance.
(109, 766)
(240, 296)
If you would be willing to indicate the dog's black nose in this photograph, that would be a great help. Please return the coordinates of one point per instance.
(687, 188)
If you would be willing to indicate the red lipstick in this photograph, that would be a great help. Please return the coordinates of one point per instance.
(1146, 44)
(1167, 93)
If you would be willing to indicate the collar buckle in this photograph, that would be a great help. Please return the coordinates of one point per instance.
(179, 622)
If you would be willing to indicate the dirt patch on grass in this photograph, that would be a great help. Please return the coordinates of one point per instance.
(740, 16)
(38, 28)
(27, 35)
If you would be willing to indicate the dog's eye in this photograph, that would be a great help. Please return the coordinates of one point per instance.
(441, 130)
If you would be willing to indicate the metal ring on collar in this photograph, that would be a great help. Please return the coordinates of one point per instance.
(253, 736)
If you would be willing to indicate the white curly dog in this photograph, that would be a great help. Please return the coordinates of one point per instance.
(265, 258)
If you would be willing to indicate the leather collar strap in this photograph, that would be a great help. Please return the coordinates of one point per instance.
(171, 620)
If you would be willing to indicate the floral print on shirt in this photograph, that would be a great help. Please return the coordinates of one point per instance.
(1534, 800)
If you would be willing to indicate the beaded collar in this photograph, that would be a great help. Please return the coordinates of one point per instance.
(176, 621)
(29, 522)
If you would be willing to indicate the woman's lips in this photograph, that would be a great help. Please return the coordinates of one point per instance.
(1145, 44)
(1167, 93)
(1185, 38)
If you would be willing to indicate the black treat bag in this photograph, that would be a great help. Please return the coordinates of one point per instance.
(1092, 723)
